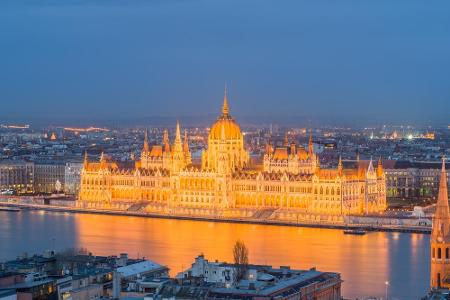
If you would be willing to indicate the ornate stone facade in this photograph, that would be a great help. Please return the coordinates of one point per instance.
(290, 180)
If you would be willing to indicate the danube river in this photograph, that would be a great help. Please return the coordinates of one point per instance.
(365, 262)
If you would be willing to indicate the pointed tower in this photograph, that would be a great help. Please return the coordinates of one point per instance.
(380, 170)
(340, 166)
(177, 145)
(370, 169)
(178, 155)
(310, 144)
(269, 146)
(440, 237)
(166, 142)
(225, 103)
(146, 148)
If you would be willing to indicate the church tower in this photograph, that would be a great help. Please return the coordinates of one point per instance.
(145, 153)
(178, 155)
(187, 152)
(440, 237)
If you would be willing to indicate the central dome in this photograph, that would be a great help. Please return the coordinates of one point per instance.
(225, 126)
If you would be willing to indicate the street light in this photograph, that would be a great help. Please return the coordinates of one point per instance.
(387, 289)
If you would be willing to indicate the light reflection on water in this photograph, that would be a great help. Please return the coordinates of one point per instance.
(365, 262)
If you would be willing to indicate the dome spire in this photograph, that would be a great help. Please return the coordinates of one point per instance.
(225, 102)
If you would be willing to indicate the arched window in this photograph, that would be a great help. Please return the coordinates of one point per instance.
(326, 191)
(321, 190)
(446, 253)
(439, 254)
(433, 253)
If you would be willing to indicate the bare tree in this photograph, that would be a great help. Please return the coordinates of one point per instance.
(240, 254)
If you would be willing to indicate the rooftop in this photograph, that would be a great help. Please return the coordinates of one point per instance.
(138, 268)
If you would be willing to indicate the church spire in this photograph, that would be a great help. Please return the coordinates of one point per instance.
(177, 145)
(166, 141)
(380, 168)
(146, 147)
(440, 236)
(441, 219)
(340, 166)
(370, 169)
(178, 133)
(225, 102)
(310, 144)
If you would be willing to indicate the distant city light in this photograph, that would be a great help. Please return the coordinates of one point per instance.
(89, 129)
(25, 126)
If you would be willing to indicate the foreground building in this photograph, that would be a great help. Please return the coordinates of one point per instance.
(289, 182)
(440, 244)
(217, 280)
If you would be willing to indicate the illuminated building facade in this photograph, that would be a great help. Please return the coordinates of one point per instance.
(290, 180)
(440, 238)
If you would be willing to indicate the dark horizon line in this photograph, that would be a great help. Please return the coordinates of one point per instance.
(244, 120)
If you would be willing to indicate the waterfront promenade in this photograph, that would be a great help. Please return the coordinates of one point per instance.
(369, 223)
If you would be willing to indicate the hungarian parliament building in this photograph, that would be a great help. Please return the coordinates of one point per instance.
(289, 184)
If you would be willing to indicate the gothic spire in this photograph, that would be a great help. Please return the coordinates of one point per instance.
(146, 147)
(441, 218)
(370, 168)
(177, 145)
(380, 168)
(310, 144)
(178, 133)
(166, 141)
(225, 102)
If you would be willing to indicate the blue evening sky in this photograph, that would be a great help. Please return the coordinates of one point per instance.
(87, 61)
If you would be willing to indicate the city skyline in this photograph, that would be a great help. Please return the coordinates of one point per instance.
(224, 149)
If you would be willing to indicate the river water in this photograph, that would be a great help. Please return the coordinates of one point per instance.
(365, 262)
